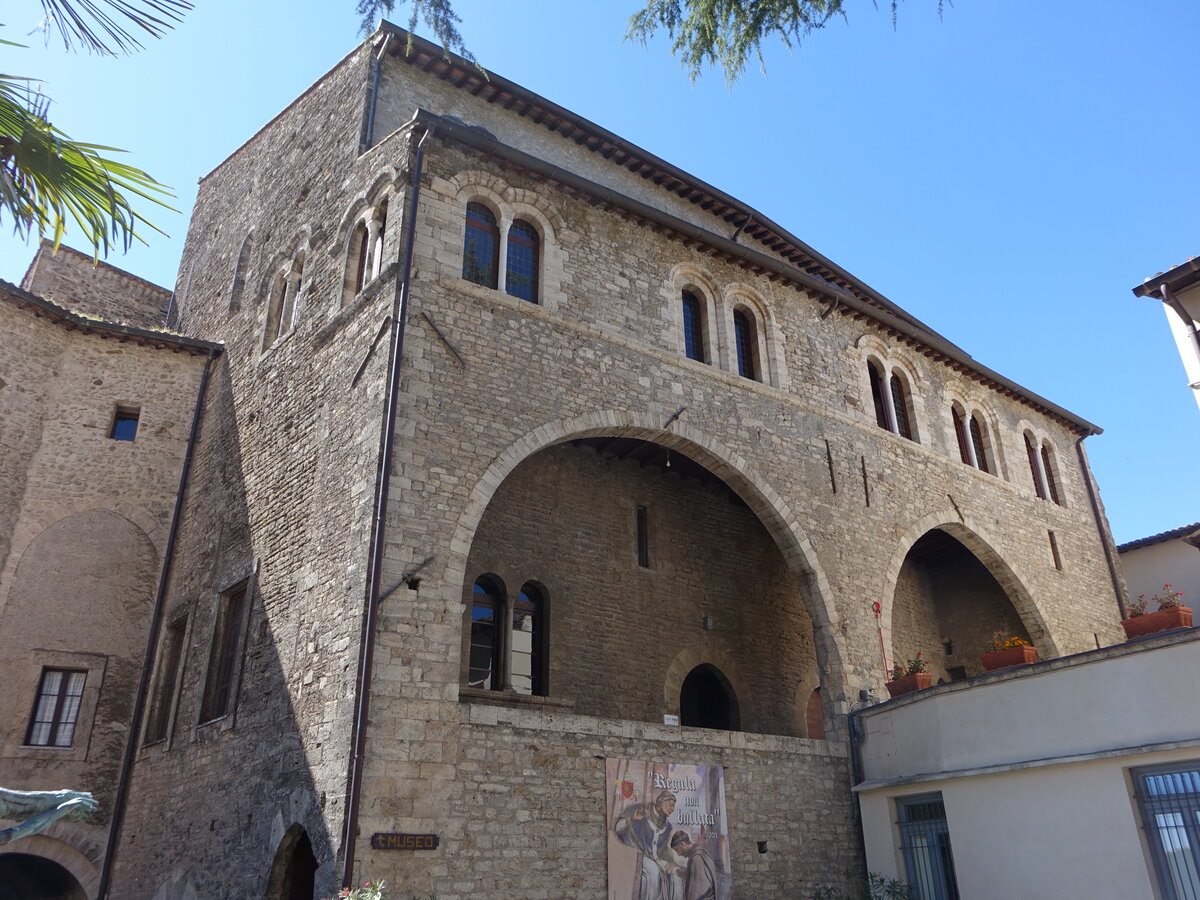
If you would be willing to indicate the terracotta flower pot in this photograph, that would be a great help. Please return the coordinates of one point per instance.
(909, 683)
(1004, 659)
(1163, 620)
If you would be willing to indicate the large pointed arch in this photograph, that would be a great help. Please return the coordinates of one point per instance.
(732, 468)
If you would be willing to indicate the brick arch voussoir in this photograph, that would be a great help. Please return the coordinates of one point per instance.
(766, 503)
(975, 537)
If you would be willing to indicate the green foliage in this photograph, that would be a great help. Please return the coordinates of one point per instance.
(103, 26)
(48, 180)
(439, 15)
(726, 32)
(871, 887)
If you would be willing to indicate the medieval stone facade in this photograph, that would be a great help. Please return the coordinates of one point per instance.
(642, 438)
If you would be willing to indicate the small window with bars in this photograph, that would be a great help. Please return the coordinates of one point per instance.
(925, 844)
(1169, 800)
(56, 709)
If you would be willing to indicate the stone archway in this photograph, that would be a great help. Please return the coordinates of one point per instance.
(32, 875)
(732, 468)
(293, 870)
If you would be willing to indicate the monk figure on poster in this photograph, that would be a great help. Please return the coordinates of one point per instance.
(646, 827)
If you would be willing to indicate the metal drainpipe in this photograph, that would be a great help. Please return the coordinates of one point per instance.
(1189, 323)
(1104, 541)
(367, 648)
(369, 137)
(139, 703)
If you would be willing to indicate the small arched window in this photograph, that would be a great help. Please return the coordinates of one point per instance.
(900, 406)
(380, 232)
(487, 605)
(877, 398)
(240, 272)
(521, 265)
(1035, 467)
(528, 663)
(693, 327)
(960, 432)
(275, 309)
(481, 246)
(745, 339)
(1048, 468)
(356, 262)
(978, 444)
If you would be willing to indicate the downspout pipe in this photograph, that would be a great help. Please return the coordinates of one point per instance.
(1110, 552)
(1189, 324)
(143, 689)
(367, 647)
(369, 132)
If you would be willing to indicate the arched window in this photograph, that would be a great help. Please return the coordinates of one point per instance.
(977, 444)
(357, 252)
(745, 339)
(960, 432)
(876, 378)
(294, 281)
(528, 662)
(900, 407)
(377, 237)
(275, 309)
(240, 272)
(706, 700)
(973, 443)
(521, 265)
(814, 717)
(481, 246)
(1035, 467)
(693, 327)
(1048, 468)
(487, 605)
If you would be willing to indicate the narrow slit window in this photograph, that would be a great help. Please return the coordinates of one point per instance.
(222, 660)
(643, 539)
(1054, 550)
(125, 423)
(1035, 468)
(693, 327)
(1048, 469)
(56, 710)
(877, 399)
(168, 678)
(521, 265)
(481, 246)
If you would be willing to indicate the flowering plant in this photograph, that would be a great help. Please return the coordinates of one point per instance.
(370, 890)
(1170, 599)
(1000, 642)
(916, 665)
(1138, 607)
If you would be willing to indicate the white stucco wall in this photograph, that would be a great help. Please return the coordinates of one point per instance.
(1033, 768)
(1190, 299)
(1147, 569)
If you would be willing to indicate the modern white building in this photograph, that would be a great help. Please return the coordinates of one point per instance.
(1179, 290)
(1171, 557)
(1073, 777)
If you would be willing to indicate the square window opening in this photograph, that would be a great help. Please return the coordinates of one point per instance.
(125, 423)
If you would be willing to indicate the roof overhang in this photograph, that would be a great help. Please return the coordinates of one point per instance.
(1177, 279)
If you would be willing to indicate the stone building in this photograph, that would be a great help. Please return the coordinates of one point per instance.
(95, 418)
(529, 450)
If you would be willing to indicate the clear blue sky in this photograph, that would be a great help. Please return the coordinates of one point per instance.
(1006, 174)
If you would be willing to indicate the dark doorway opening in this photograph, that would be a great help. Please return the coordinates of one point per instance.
(27, 877)
(706, 700)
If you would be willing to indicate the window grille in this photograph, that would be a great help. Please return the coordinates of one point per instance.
(1169, 800)
(56, 709)
(925, 843)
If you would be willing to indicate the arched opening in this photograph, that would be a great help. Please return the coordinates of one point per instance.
(294, 868)
(947, 605)
(814, 716)
(647, 564)
(27, 877)
(707, 700)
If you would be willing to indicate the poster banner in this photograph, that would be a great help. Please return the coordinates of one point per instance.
(668, 838)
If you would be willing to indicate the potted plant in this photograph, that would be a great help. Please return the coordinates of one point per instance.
(1002, 652)
(913, 677)
(1171, 614)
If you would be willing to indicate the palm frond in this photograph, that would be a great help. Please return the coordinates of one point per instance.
(112, 26)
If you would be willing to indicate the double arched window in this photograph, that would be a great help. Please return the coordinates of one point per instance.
(729, 330)
(1043, 467)
(482, 253)
(284, 294)
(509, 640)
(975, 446)
(364, 251)
(892, 399)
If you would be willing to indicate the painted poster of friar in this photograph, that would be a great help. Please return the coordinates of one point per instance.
(667, 834)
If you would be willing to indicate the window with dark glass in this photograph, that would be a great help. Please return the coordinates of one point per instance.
(1034, 467)
(521, 265)
(981, 462)
(744, 338)
(693, 327)
(487, 604)
(168, 677)
(960, 432)
(527, 659)
(900, 407)
(877, 399)
(481, 246)
(1048, 469)
(925, 844)
(222, 658)
(56, 709)
(1169, 801)
(125, 423)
